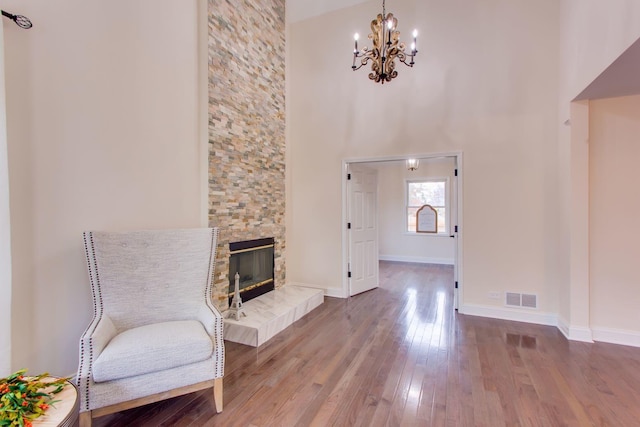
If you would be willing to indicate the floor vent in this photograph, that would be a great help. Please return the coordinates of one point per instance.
(513, 299)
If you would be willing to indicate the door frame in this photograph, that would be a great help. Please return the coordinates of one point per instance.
(458, 155)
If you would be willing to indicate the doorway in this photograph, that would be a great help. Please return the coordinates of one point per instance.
(385, 221)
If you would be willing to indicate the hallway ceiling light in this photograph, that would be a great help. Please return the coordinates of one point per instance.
(385, 50)
(412, 164)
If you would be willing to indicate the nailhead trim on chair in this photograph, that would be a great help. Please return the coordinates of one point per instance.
(219, 334)
(97, 314)
(98, 310)
(83, 379)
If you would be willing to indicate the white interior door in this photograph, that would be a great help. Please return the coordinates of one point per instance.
(363, 228)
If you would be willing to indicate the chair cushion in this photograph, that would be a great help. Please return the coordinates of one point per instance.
(152, 348)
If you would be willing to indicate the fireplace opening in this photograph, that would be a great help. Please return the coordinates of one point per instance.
(253, 260)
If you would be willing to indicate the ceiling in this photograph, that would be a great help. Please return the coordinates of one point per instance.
(621, 78)
(298, 10)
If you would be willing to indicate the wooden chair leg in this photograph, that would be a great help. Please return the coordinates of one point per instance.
(217, 394)
(85, 419)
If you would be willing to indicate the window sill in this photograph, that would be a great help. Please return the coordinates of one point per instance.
(412, 233)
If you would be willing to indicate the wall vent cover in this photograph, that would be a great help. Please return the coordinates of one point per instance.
(530, 300)
(512, 299)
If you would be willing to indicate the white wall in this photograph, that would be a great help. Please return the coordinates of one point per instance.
(614, 211)
(395, 243)
(485, 83)
(5, 230)
(102, 108)
(593, 34)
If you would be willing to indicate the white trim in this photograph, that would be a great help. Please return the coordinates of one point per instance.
(616, 336)
(402, 157)
(459, 208)
(329, 292)
(5, 229)
(574, 333)
(580, 333)
(345, 232)
(421, 260)
(335, 293)
(457, 220)
(547, 319)
(563, 326)
(438, 234)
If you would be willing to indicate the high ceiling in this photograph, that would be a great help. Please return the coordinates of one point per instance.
(621, 78)
(298, 10)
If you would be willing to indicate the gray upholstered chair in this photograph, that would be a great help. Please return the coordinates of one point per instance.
(155, 333)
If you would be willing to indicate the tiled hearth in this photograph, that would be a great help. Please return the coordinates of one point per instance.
(270, 313)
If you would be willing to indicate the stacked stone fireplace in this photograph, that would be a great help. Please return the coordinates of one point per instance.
(253, 262)
(246, 132)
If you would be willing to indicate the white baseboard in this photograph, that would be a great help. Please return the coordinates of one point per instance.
(563, 326)
(329, 292)
(617, 336)
(574, 333)
(335, 293)
(421, 260)
(528, 316)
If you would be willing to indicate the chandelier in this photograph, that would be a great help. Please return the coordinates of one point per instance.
(412, 164)
(385, 50)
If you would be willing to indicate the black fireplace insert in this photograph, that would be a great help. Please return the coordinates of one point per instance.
(253, 260)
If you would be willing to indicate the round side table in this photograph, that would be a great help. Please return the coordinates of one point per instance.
(65, 411)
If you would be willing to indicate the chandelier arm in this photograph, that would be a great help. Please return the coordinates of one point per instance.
(403, 56)
(408, 64)
(366, 56)
(362, 63)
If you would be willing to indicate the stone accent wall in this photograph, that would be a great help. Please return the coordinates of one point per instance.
(246, 129)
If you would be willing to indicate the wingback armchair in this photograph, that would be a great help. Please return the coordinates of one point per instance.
(155, 333)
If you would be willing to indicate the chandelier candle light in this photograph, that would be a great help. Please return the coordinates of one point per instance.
(385, 50)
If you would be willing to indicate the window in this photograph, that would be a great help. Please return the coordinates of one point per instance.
(427, 192)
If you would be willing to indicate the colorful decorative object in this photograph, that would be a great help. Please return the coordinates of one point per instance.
(25, 398)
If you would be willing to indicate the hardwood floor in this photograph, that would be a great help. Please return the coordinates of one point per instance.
(401, 356)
